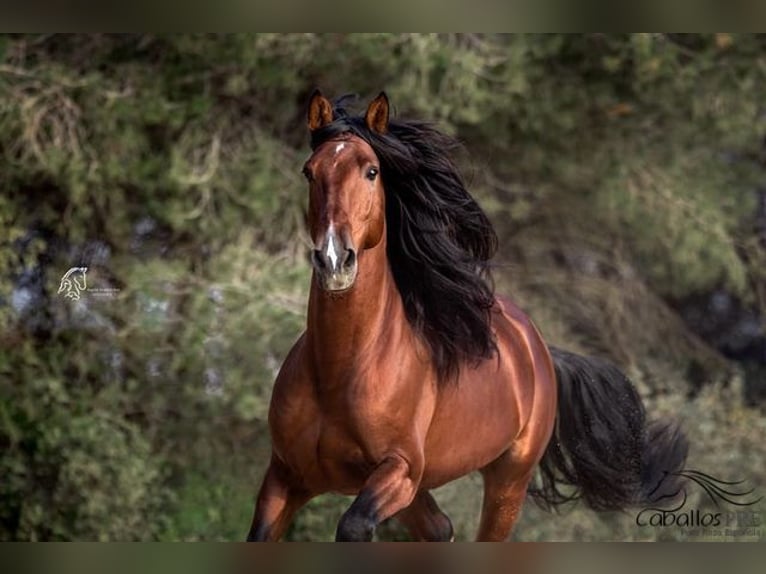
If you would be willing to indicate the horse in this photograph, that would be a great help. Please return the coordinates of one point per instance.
(412, 372)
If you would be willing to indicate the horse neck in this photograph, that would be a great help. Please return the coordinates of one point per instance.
(343, 328)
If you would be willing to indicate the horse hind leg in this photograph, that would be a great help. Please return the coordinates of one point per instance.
(425, 520)
(505, 488)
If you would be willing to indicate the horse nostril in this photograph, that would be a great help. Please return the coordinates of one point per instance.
(333, 258)
(318, 259)
(350, 258)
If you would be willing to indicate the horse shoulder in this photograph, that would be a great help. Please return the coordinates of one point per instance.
(293, 412)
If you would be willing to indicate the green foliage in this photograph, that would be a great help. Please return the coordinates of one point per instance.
(620, 171)
(72, 472)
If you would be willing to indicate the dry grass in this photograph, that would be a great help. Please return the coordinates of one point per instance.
(50, 118)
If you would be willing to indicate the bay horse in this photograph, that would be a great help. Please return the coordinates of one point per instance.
(412, 373)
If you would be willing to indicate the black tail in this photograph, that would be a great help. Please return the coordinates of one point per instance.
(602, 449)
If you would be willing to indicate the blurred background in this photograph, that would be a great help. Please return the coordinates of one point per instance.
(625, 174)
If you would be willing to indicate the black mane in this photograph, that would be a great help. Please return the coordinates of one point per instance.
(439, 240)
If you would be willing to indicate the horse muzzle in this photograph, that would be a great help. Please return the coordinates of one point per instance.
(335, 263)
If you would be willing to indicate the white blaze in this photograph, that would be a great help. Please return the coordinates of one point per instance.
(332, 255)
(339, 148)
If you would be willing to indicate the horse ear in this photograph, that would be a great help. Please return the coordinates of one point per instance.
(320, 111)
(376, 117)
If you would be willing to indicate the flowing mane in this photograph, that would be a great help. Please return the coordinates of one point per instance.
(439, 240)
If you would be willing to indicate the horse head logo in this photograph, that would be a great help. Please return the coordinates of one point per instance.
(731, 492)
(73, 283)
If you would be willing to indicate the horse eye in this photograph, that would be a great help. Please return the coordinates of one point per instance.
(372, 173)
(307, 173)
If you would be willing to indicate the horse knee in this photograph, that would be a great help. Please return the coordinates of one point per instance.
(354, 527)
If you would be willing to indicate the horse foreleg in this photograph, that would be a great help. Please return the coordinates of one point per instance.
(278, 501)
(425, 520)
(505, 488)
(389, 489)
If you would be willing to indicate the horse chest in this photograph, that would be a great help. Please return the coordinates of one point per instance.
(335, 452)
(343, 460)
